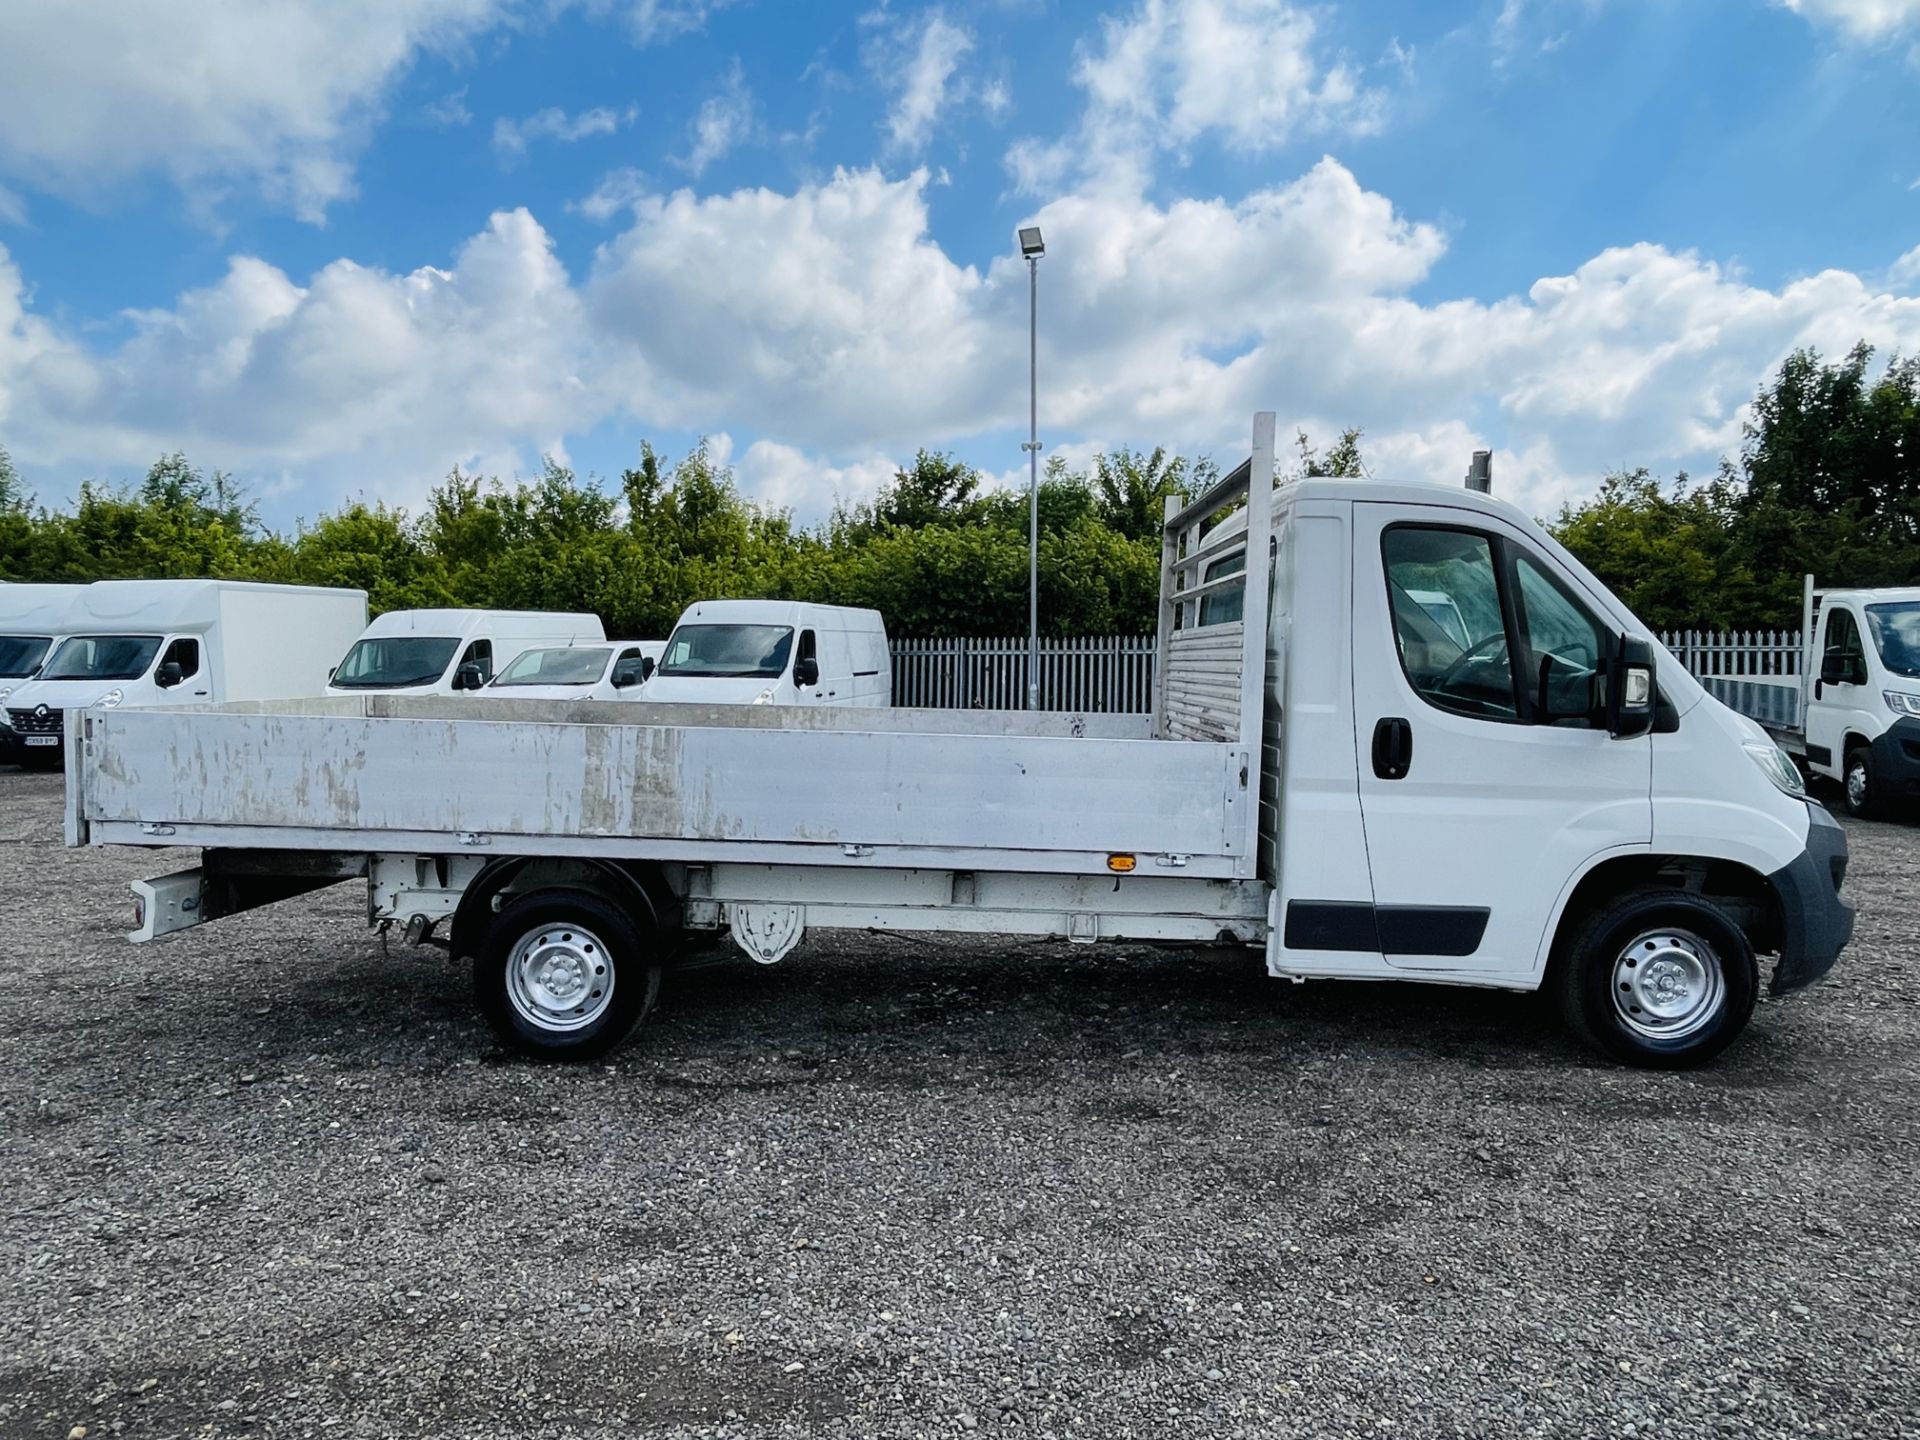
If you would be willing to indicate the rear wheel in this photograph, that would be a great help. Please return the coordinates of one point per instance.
(565, 974)
(1660, 978)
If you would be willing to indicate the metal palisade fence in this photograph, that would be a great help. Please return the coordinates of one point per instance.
(1111, 674)
(1711, 654)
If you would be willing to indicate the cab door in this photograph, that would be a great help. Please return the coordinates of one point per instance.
(1835, 706)
(1487, 778)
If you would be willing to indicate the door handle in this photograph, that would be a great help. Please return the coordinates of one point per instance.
(1392, 748)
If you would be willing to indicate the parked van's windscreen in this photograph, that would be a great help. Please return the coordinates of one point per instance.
(757, 651)
(1896, 634)
(392, 662)
(20, 655)
(568, 666)
(102, 657)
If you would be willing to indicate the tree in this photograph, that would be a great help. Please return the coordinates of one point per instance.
(936, 489)
(1659, 551)
(1132, 489)
(1342, 462)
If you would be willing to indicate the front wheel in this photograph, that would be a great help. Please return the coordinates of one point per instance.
(565, 974)
(1862, 787)
(1660, 978)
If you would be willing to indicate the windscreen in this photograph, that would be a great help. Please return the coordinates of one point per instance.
(555, 667)
(394, 662)
(1896, 635)
(741, 651)
(102, 657)
(20, 655)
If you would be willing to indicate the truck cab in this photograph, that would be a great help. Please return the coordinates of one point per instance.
(34, 619)
(1863, 699)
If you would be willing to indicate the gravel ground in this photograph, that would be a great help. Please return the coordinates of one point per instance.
(267, 1179)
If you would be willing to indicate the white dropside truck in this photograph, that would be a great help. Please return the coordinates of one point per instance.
(775, 652)
(445, 652)
(1330, 776)
(1852, 714)
(137, 643)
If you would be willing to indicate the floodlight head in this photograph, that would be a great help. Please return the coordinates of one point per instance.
(1031, 245)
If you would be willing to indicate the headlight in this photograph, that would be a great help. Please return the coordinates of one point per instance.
(1897, 701)
(108, 700)
(1777, 766)
(765, 697)
(5, 690)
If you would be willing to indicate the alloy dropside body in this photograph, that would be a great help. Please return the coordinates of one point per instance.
(1401, 735)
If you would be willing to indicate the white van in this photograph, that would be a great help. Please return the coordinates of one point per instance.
(137, 643)
(615, 671)
(441, 652)
(775, 652)
(33, 619)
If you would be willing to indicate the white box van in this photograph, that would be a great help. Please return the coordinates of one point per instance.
(440, 652)
(618, 670)
(136, 643)
(775, 652)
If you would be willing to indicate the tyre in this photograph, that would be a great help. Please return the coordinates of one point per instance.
(565, 974)
(1660, 978)
(1861, 785)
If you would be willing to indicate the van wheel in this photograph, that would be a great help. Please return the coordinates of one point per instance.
(1861, 786)
(565, 974)
(1660, 978)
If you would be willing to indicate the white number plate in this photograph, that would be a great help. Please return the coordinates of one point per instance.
(41, 739)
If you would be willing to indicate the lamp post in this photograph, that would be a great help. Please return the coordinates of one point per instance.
(1033, 247)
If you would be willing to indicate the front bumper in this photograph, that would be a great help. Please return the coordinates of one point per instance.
(1896, 759)
(1815, 921)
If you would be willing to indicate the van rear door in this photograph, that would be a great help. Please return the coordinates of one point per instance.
(1488, 781)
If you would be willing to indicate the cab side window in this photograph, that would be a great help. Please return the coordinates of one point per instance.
(1843, 643)
(480, 653)
(1229, 603)
(1444, 592)
(1563, 645)
(186, 654)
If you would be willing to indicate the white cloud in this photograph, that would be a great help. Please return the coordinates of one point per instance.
(1864, 19)
(653, 22)
(831, 321)
(207, 92)
(511, 137)
(1904, 273)
(786, 478)
(1169, 73)
(449, 111)
(921, 80)
(357, 378)
(618, 190)
(725, 120)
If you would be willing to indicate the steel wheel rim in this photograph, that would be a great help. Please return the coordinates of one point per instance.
(559, 977)
(1668, 984)
(1857, 784)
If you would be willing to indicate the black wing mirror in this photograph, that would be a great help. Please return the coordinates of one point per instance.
(1566, 690)
(1630, 689)
(169, 674)
(806, 672)
(469, 676)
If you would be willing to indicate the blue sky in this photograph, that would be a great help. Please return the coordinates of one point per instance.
(337, 246)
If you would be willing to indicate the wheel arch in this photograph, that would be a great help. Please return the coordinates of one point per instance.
(1744, 892)
(636, 886)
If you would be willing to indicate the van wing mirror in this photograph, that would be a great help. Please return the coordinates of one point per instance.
(806, 672)
(469, 676)
(1630, 687)
(169, 674)
(1838, 669)
(1566, 690)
